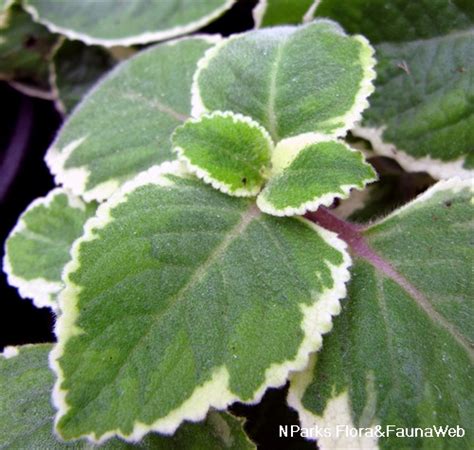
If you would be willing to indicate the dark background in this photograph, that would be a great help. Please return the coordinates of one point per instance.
(28, 126)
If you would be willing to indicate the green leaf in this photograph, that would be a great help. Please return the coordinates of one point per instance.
(401, 353)
(38, 247)
(124, 125)
(25, 49)
(75, 68)
(310, 174)
(292, 80)
(109, 23)
(190, 299)
(229, 151)
(26, 416)
(422, 112)
(278, 12)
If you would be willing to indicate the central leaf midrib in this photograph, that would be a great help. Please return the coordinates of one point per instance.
(246, 218)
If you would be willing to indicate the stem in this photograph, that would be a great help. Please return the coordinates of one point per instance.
(352, 235)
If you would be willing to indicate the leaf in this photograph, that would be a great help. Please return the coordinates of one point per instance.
(310, 174)
(401, 353)
(38, 247)
(421, 113)
(229, 151)
(277, 12)
(190, 299)
(124, 125)
(292, 80)
(25, 49)
(75, 68)
(26, 416)
(109, 23)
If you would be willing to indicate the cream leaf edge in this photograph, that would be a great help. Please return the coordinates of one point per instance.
(348, 119)
(285, 153)
(437, 168)
(337, 412)
(75, 178)
(215, 393)
(205, 175)
(143, 38)
(41, 291)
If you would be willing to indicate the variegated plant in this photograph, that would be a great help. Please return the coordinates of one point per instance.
(193, 263)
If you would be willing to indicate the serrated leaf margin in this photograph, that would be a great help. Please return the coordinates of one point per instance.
(42, 292)
(144, 38)
(215, 393)
(285, 152)
(204, 174)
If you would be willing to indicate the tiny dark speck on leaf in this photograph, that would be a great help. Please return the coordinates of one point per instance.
(448, 204)
(30, 41)
(244, 180)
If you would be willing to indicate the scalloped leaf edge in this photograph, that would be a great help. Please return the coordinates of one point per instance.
(204, 174)
(437, 168)
(349, 119)
(144, 38)
(317, 320)
(75, 179)
(42, 292)
(284, 154)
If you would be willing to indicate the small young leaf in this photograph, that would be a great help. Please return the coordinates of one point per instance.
(421, 113)
(292, 80)
(110, 23)
(26, 415)
(269, 13)
(229, 151)
(188, 298)
(75, 67)
(124, 125)
(308, 175)
(401, 353)
(38, 247)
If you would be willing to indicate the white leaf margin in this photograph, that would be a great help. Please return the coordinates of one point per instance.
(437, 168)
(202, 173)
(75, 178)
(143, 38)
(215, 393)
(338, 409)
(348, 119)
(41, 291)
(336, 413)
(285, 153)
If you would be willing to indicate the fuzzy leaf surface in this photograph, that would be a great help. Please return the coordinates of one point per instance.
(422, 111)
(413, 317)
(38, 247)
(124, 125)
(112, 22)
(229, 151)
(200, 302)
(291, 80)
(26, 416)
(314, 175)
